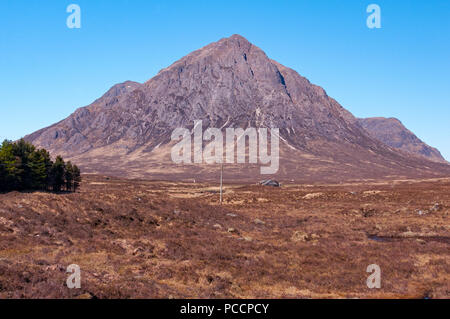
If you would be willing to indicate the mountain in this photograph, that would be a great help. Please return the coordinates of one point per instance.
(229, 83)
(393, 133)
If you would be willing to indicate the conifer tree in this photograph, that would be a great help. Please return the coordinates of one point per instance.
(69, 176)
(48, 163)
(57, 174)
(38, 170)
(76, 178)
(22, 151)
(12, 167)
(2, 176)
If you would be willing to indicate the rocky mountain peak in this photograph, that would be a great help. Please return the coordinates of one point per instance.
(228, 83)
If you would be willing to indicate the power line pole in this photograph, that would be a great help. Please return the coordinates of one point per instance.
(221, 182)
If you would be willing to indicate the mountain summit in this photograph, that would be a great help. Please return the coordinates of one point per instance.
(229, 83)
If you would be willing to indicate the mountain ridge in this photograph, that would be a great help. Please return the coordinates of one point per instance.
(392, 132)
(228, 83)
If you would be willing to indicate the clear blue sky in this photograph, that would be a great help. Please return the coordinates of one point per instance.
(401, 70)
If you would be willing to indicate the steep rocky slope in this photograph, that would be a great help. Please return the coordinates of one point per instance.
(229, 83)
(393, 133)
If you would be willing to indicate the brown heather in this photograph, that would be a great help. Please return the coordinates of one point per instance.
(136, 239)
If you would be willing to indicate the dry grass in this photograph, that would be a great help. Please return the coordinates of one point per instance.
(141, 239)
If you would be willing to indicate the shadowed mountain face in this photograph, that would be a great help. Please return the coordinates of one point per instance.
(393, 133)
(229, 83)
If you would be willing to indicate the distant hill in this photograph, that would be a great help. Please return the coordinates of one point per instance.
(393, 133)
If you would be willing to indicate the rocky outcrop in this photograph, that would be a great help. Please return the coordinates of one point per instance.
(393, 133)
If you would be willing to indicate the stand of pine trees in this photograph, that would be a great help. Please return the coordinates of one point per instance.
(23, 167)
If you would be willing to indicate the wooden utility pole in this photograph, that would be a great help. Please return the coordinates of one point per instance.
(221, 182)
